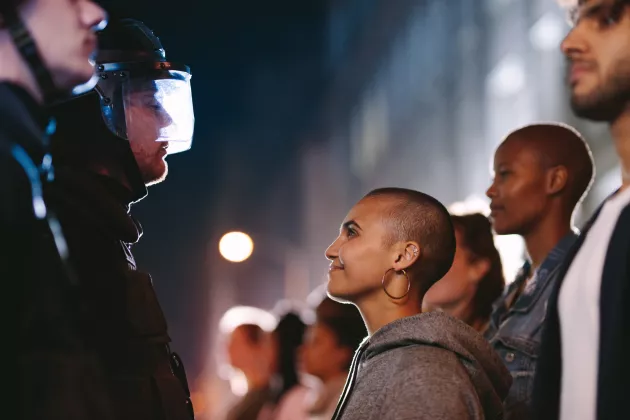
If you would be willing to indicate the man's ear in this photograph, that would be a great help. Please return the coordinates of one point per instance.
(406, 255)
(557, 178)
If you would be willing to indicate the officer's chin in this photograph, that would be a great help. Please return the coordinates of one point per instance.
(157, 174)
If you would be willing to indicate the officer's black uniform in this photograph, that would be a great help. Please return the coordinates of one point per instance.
(122, 319)
(48, 373)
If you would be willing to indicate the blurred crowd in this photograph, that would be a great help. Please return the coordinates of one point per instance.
(297, 369)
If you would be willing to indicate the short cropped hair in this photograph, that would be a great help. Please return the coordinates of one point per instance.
(560, 144)
(419, 217)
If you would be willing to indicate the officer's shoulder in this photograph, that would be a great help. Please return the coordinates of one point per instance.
(14, 179)
(8, 161)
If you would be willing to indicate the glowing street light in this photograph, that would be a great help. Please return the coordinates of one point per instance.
(236, 246)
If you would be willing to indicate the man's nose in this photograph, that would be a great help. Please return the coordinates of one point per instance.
(574, 43)
(165, 119)
(94, 16)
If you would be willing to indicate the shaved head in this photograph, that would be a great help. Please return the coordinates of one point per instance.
(556, 145)
(414, 216)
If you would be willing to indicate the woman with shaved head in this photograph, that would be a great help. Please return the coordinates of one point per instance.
(541, 172)
(393, 245)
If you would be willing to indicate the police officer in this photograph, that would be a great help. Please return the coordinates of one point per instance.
(110, 144)
(48, 372)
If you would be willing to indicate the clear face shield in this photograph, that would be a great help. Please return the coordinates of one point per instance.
(148, 105)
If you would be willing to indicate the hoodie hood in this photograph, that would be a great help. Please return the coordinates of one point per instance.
(488, 374)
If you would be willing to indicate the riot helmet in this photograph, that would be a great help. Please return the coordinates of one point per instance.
(141, 93)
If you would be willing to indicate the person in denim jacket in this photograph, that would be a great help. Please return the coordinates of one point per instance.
(541, 173)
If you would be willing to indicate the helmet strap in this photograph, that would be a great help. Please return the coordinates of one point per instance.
(27, 48)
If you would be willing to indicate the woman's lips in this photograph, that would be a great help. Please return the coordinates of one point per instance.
(332, 268)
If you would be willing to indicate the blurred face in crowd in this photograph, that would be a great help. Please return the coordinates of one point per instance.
(359, 257)
(460, 283)
(145, 117)
(240, 347)
(321, 355)
(599, 59)
(518, 191)
(64, 31)
(247, 351)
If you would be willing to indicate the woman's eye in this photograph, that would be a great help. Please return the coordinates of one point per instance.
(607, 21)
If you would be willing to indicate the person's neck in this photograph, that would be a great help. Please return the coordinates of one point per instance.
(14, 70)
(465, 311)
(378, 311)
(118, 175)
(620, 131)
(545, 237)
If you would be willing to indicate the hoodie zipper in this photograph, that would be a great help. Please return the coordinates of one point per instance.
(354, 368)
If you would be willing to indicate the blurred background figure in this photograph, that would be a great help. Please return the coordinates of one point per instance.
(327, 352)
(288, 393)
(475, 279)
(245, 361)
(45, 50)
(248, 351)
(261, 352)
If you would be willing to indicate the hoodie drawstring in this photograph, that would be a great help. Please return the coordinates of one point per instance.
(354, 368)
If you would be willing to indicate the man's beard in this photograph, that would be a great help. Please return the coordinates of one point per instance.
(608, 101)
(152, 177)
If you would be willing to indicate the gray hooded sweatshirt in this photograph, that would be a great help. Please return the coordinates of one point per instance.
(428, 366)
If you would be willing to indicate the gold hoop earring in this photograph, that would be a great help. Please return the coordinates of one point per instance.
(385, 288)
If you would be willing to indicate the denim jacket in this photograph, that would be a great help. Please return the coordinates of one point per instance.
(515, 328)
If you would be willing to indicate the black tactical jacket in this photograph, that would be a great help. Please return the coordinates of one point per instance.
(49, 372)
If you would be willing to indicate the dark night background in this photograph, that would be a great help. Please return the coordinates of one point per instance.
(257, 72)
